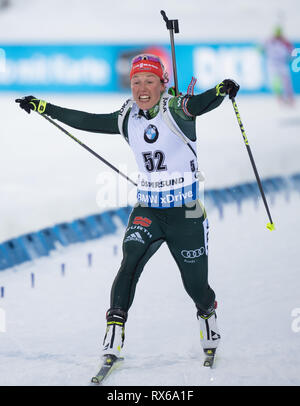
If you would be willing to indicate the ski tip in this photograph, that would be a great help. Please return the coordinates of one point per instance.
(95, 380)
(271, 226)
(110, 362)
(209, 362)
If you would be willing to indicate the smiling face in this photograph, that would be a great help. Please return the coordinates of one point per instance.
(146, 89)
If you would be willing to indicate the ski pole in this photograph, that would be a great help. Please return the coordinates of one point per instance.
(172, 26)
(270, 225)
(87, 148)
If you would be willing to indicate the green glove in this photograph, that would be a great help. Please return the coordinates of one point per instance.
(228, 86)
(29, 103)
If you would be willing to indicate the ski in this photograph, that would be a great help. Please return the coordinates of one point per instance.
(209, 357)
(110, 363)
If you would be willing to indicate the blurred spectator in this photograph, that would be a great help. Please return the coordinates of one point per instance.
(278, 52)
(4, 3)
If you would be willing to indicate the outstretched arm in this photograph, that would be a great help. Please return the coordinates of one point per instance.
(186, 108)
(212, 98)
(98, 123)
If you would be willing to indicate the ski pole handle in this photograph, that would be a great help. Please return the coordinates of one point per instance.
(172, 26)
(162, 12)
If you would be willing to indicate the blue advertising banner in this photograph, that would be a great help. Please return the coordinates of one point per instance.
(105, 68)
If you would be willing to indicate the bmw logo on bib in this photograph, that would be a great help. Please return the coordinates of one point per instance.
(151, 134)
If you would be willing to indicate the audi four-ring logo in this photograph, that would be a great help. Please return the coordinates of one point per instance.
(193, 253)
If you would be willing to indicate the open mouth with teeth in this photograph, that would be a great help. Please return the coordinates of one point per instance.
(144, 98)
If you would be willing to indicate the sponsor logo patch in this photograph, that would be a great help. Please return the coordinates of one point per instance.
(190, 256)
(193, 253)
(143, 221)
(135, 237)
(151, 134)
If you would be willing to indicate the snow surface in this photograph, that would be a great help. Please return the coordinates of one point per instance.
(54, 331)
(139, 20)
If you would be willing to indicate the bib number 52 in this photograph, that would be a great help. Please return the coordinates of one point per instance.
(154, 161)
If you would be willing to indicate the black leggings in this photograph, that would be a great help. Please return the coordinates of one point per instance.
(186, 233)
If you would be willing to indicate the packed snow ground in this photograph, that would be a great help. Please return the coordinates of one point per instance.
(54, 331)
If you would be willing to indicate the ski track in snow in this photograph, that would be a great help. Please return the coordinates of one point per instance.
(54, 331)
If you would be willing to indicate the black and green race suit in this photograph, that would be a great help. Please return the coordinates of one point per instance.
(148, 228)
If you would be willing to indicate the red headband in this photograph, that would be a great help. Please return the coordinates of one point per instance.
(151, 65)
